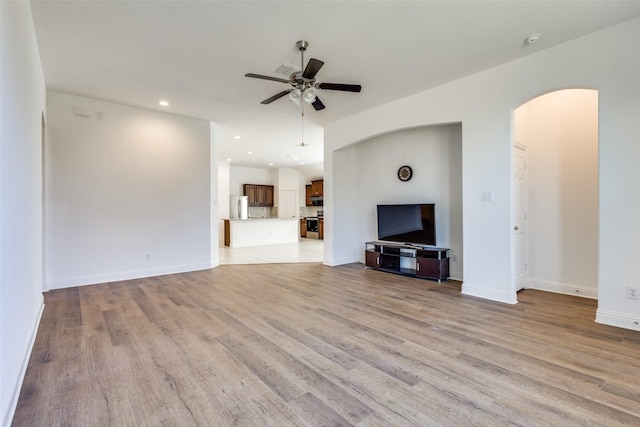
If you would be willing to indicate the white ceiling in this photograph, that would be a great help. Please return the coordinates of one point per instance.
(195, 55)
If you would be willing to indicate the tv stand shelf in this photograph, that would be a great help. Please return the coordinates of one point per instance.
(427, 262)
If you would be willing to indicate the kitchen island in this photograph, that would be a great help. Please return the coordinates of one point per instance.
(242, 233)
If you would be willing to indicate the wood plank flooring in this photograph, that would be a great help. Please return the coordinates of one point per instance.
(307, 344)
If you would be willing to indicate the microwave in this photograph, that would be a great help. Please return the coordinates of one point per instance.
(316, 200)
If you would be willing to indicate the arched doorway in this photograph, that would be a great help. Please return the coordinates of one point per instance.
(559, 131)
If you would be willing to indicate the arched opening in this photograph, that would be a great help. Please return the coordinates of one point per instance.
(558, 135)
(435, 155)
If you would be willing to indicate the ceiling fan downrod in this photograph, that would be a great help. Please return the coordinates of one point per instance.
(302, 83)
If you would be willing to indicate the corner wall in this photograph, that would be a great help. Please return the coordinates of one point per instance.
(22, 102)
(128, 194)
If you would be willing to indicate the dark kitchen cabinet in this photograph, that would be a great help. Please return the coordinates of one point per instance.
(320, 228)
(308, 194)
(303, 227)
(251, 192)
(317, 187)
(259, 195)
(269, 195)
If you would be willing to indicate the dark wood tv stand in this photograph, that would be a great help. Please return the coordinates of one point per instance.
(427, 262)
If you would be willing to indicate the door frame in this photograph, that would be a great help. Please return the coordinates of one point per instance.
(519, 225)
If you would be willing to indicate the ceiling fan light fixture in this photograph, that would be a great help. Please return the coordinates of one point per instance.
(309, 96)
(295, 96)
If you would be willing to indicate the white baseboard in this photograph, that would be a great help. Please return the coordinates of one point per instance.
(456, 275)
(9, 406)
(127, 275)
(488, 293)
(619, 320)
(338, 261)
(562, 288)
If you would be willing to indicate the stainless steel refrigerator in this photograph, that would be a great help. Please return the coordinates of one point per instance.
(239, 207)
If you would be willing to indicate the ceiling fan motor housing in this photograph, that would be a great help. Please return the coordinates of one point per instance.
(298, 81)
(302, 45)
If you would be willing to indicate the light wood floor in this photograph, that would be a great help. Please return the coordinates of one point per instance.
(308, 344)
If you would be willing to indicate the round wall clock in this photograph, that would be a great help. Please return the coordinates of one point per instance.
(405, 173)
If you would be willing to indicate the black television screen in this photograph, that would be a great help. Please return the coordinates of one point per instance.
(414, 223)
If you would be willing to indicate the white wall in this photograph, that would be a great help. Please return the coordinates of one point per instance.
(240, 175)
(312, 171)
(484, 104)
(340, 190)
(435, 155)
(22, 102)
(560, 130)
(127, 196)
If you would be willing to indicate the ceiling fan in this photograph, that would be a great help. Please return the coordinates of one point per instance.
(304, 82)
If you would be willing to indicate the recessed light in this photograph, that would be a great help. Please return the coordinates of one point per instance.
(271, 164)
(533, 38)
(249, 152)
(236, 137)
(302, 163)
(164, 103)
(228, 160)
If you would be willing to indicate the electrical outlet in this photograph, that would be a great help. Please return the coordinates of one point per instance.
(632, 292)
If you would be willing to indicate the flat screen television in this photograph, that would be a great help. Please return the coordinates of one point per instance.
(410, 223)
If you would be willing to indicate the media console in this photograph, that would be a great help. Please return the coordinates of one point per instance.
(427, 262)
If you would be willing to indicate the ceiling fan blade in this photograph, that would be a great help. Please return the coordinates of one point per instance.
(259, 76)
(339, 86)
(313, 66)
(276, 96)
(317, 104)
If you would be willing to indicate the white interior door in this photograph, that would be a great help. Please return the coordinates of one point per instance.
(520, 215)
(287, 204)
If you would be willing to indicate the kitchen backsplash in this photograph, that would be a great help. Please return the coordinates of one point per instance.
(268, 212)
(309, 211)
(258, 212)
